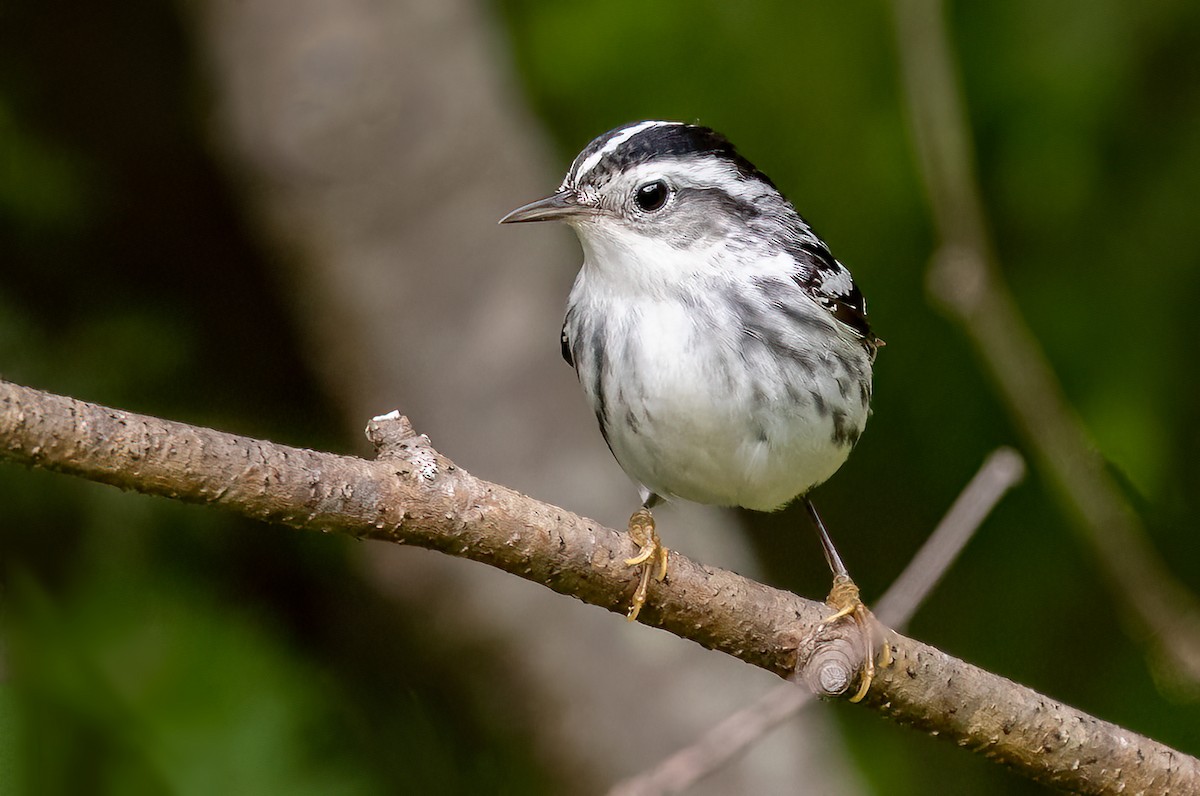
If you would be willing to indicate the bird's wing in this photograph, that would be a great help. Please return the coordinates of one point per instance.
(566, 345)
(830, 283)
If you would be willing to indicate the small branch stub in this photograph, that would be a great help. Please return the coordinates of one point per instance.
(829, 659)
(831, 669)
(394, 438)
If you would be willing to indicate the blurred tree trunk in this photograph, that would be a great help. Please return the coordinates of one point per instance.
(378, 144)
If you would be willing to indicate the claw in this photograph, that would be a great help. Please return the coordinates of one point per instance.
(662, 563)
(642, 557)
(651, 559)
(844, 598)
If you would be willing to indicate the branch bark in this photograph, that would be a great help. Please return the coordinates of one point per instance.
(411, 494)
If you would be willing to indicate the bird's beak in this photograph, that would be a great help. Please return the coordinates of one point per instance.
(563, 204)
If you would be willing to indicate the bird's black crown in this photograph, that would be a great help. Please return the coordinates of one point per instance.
(657, 140)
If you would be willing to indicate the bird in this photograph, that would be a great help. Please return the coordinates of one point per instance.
(724, 350)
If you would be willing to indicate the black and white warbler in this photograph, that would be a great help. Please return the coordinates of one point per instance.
(726, 353)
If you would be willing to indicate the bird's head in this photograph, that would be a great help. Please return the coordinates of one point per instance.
(647, 192)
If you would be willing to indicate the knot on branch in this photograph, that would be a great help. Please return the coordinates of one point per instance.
(829, 659)
(957, 278)
(394, 439)
(832, 667)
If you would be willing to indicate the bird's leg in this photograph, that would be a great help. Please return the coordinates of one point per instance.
(651, 560)
(845, 601)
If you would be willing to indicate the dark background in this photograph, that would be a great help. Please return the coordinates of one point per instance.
(154, 647)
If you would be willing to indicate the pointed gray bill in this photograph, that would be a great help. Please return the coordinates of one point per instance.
(556, 206)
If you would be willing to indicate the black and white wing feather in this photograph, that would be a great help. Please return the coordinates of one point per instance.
(830, 283)
(565, 342)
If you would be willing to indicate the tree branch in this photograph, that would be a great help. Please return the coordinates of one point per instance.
(411, 494)
(1001, 471)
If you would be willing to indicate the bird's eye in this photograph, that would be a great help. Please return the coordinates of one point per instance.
(651, 196)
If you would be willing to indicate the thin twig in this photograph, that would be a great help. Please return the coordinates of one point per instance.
(724, 742)
(1000, 471)
(966, 279)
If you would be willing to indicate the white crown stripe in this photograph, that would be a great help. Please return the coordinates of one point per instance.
(611, 145)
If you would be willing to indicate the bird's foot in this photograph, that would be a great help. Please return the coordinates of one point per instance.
(844, 600)
(651, 560)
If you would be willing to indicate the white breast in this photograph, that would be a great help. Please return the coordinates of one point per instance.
(691, 407)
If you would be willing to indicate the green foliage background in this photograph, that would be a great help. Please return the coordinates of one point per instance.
(149, 647)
